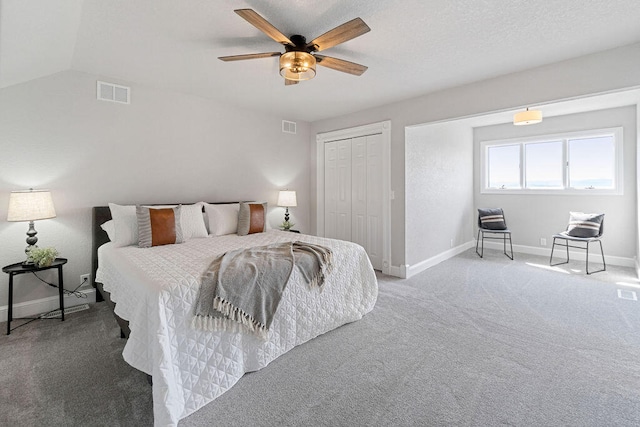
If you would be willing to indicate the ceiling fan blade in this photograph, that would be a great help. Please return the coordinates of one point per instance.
(340, 65)
(248, 56)
(263, 25)
(288, 82)
(342, 33)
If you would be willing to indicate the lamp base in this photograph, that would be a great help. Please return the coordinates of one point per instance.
(31, 244)
(31, 238)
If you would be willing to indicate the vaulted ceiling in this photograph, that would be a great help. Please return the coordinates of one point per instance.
(414, 46)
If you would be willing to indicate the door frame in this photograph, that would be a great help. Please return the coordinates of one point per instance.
(383, 128)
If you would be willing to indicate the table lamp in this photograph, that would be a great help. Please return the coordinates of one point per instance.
(30, 205)
(287, 199)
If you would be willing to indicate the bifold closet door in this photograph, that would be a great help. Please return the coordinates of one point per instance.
(373, 240)
(337, 172)
(366, 196)
(353, 193)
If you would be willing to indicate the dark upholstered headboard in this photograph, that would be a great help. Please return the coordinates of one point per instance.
(101, 214)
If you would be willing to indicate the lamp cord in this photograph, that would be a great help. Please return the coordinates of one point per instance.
(74, 292)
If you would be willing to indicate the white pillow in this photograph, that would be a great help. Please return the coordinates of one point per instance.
(126, 222)
(192, 221)
(109, 228)
(223, 219)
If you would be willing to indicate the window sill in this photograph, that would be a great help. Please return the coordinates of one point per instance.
(556, 192)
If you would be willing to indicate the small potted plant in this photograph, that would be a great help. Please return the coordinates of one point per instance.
(286, 225)
(42, 257)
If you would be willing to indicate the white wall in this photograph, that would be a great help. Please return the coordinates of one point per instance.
(638, 190)
(531, 217)
(610, 70)
(439, 189)
(164, 147)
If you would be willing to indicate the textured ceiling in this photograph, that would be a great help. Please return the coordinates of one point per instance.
(414, 47)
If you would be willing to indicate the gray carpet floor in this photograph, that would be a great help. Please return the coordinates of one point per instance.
(469, 342)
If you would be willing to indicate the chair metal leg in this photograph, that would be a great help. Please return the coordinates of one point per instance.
(604, 265)
(478, 241)
(504, 243)
(504, 240)
(511, 245)
(553, 247)
(587, 258)
(566, 245)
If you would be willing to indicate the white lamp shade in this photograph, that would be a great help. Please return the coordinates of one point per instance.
(287, 198)
(528, 117)
(30, 205)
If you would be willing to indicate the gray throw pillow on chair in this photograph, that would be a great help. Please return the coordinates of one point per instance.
(491, 219)
(584, 224)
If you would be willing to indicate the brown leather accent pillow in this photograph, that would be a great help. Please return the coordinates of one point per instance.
(252, 218)
(158, 226)
(163, 226)
(256, 214)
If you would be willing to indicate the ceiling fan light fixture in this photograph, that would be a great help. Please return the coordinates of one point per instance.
(297, 66)
(528, 117)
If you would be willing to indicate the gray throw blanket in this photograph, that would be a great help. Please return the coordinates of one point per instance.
(242, 288)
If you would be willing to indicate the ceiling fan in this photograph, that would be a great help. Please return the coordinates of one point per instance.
(298, 63)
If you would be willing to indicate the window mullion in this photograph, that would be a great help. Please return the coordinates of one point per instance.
(565, 163)
(522, 167)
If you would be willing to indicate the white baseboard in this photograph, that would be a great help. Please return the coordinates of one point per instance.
(411, 270)
(398, 271)
(44, 305)
(443, 256)
(561, 252)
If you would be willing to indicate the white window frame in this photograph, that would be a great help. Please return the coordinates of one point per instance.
(618, 177)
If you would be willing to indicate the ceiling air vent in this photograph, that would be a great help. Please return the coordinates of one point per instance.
(113, 93)
(288, 127)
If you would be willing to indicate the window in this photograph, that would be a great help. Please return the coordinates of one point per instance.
(543, 162)
(577, 162)
(504, 166)
(593, 162)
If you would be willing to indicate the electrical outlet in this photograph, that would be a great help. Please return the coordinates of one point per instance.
(451, 243)
(543, 241)
(85, 279)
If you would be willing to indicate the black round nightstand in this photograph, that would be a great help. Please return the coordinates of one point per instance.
(20, 268)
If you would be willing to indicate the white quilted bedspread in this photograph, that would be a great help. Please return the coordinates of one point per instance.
(155, 289)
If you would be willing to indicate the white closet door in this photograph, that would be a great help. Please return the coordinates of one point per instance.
(374, 183)
(330, 189)
(359, 191)
(356, 189)
(353, 193)
(343, 202)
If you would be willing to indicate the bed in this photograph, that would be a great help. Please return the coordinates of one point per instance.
(153, 291)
